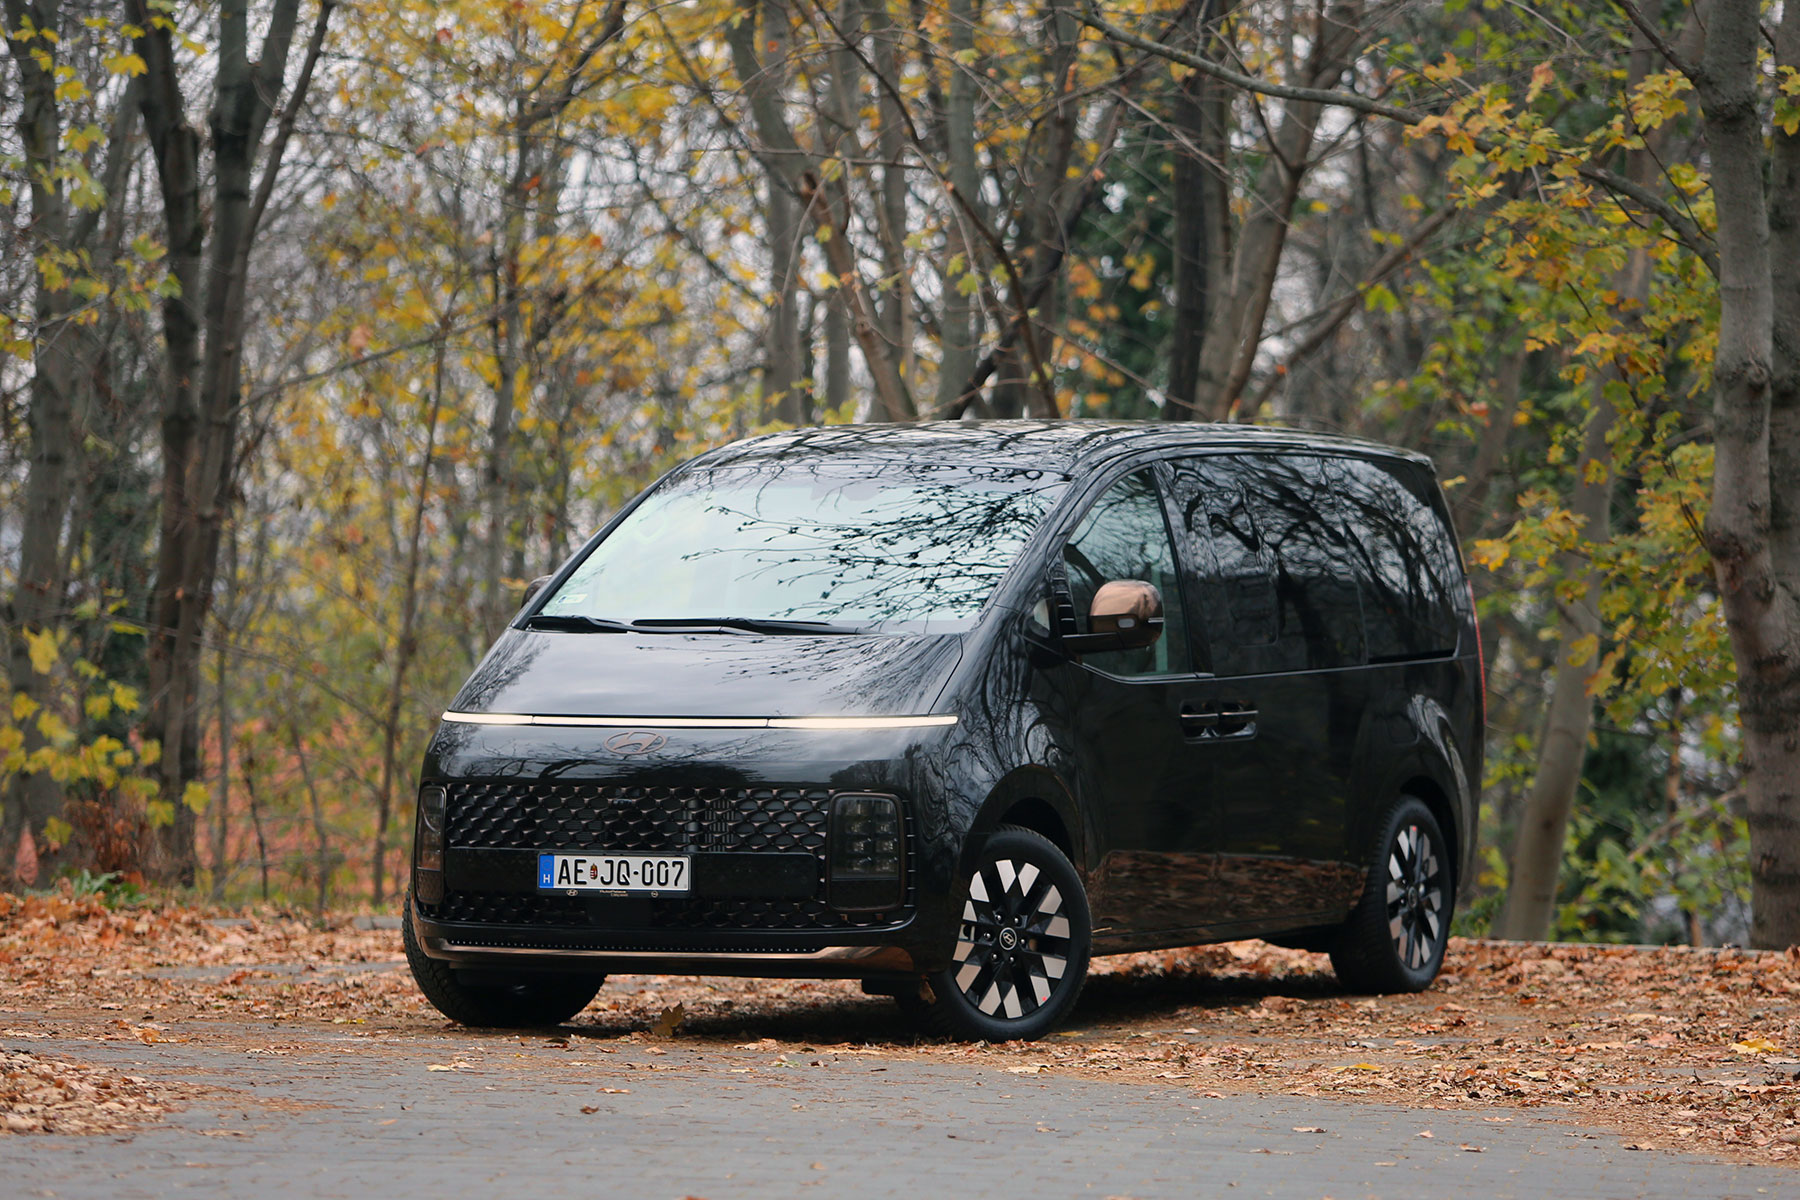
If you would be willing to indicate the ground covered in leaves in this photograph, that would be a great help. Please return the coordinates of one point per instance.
(1671, 1048)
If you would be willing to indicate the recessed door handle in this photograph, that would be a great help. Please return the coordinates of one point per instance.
(1226, 719)
(1237, 721)
(1198, 722)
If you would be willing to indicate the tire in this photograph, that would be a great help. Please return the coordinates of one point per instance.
(1021, 949)
(533, 1002)
(1394, 940)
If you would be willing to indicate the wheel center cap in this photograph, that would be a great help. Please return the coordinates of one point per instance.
(1009, 939)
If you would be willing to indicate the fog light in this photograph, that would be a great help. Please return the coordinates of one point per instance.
(428, 847)
(867, 861)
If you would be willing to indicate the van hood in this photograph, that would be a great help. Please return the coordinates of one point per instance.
(554, 673)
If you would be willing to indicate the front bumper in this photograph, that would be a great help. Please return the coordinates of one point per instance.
(480, 947)
(761, 901)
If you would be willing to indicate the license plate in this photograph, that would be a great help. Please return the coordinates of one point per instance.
(617, 874)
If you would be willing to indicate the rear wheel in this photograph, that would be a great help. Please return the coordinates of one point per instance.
(533, 1001)
(1394, 940)
(1021, 948)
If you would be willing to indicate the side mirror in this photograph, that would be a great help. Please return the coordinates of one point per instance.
(1126, 614)
(534, 587)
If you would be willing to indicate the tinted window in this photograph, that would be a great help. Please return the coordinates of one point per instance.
(835, 539)
(1405, 559)
(1125, 536)
(1267, 541)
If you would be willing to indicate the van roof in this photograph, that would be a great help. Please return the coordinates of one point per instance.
(1061, 446)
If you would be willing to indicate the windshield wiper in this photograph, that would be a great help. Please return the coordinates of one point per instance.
(571, 623)
(742, 624)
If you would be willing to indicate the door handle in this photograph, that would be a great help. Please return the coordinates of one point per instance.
(1237, 721)
(1218, 720)
(1199, 722)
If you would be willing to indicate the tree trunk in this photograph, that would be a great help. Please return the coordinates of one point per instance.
(56, 419)
(788, 164)
(896, 321)
(1201, 202)
(407, 640)
(958, 317)
(1562, 747)
(203, 332)
(1234, 326)
(1751, 528)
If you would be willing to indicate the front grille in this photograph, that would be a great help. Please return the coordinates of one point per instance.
(535, 815)
(598, 816)
(571, 912)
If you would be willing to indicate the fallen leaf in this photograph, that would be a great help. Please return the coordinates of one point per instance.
(617, 1091)
(1755, 1045)
(1033, 1069)
(590, 1109)
(439, 1067)
(1425, 1133)
(1308, 1129)
(1472, 1149)
(669, 1021)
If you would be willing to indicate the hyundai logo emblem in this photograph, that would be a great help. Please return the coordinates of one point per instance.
(637, 741)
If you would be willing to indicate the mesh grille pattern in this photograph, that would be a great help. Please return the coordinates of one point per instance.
(570, 912)
(598, 816)
(535, 815)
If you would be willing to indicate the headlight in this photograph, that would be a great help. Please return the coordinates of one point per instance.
(428, 846)
(868, 856)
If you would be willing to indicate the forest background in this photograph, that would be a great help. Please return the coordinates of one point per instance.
(325, 325)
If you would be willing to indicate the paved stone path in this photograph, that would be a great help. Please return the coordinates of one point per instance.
(535, 1117)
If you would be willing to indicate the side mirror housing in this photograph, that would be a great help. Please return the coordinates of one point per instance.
(534, 587)
(1126, 614)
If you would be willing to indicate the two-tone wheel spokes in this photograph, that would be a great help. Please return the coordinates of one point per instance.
(1012, 951)
(1415, 897)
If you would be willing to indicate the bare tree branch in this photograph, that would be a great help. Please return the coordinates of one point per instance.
(1684, 228)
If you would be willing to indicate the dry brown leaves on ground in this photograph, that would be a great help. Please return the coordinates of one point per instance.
(1685, 1049)
(43, 1095)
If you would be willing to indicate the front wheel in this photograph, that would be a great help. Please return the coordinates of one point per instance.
(531, 1002)
(1394, 940)
(1021, 948)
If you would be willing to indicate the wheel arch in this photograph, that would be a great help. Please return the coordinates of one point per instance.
(1033, 798)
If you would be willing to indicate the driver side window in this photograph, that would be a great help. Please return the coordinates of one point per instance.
(1124, 536)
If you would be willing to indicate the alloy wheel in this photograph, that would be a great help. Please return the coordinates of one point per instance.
(1415, 896)
(1013, 947)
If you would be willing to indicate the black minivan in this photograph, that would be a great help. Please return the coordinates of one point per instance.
(950, 707)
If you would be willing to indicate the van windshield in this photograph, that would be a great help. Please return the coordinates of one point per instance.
(841, 541)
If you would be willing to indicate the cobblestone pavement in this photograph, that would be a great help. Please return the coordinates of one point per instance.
(335, 1111)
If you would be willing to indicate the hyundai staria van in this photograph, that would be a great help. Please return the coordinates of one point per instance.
(950, 708)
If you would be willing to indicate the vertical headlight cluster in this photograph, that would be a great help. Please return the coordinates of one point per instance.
(428, 847)
(868, 856)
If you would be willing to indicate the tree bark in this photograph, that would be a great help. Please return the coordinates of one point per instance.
(203, 332)
(1202, 199)
(407, 639)
(959, 316)
(1569, 718)
(791, 166)
(1234, 326)
(56, 419)
(1751, 527)
(896, 309)
(1562, 746)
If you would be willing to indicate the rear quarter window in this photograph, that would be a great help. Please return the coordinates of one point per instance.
(1405, 559)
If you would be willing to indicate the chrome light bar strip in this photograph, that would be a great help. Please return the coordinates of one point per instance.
(920, 722)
